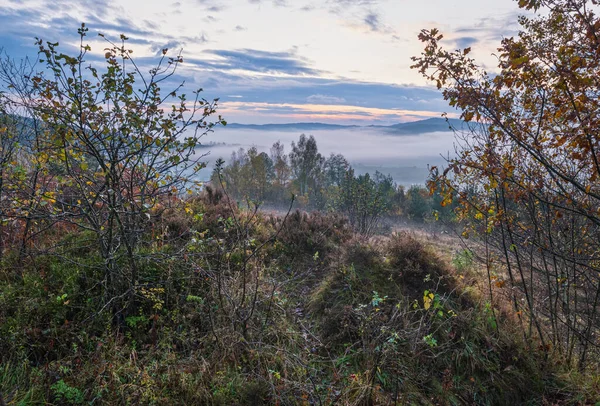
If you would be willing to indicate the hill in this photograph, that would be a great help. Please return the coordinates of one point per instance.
(290, 126)
(415, 127)
(299, 310)
(427, 126)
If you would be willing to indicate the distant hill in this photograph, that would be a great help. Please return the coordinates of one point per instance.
(415, 127)
(429, 125)
(290, 126)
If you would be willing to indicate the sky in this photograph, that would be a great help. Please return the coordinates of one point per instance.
(279, 61)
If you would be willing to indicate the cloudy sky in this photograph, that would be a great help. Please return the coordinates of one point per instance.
(277, 61)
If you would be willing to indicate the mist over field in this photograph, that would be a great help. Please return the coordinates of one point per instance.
(405, 157)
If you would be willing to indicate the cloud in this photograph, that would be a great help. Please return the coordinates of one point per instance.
(362, 15)
(214, 6)
(258, 61)
(353, 3)
(348, 7)
(489, 29)
(31, 22)
(325, 99)
(372, 21)
(174, 46)
(279, 82)
(313, 90)
(21, 24)
(465, 42)
(276, 3)
(288, 112)
(215, 9)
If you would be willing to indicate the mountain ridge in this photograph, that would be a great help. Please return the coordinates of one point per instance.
(433, 124)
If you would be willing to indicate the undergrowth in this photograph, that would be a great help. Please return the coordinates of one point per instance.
(237, 307)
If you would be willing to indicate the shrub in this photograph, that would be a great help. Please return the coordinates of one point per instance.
(310, 233)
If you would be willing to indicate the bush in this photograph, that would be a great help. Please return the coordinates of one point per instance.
(311, 233)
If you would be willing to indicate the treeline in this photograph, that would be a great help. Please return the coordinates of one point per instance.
(324, 184)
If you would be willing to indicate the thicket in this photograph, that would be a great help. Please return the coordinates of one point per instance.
(261, 309)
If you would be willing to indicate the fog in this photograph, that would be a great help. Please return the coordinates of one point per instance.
(405, 157)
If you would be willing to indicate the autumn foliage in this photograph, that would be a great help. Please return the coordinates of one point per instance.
(527, 174)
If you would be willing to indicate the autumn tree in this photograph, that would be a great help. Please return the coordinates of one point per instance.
(416, 205)
(234, 176)
(26, 185)
(526, 176)
(117, 147)
(9, 144)
(249, 175)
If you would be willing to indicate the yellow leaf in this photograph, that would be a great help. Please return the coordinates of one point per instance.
(427, 299)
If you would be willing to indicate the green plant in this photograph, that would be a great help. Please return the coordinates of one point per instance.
(135, 321)
(490, 316)
(463, 260)
(430, 340)
(376, 300)
(194, 299)
(67, 394)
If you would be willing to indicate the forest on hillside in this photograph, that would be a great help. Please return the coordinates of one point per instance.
(126, 281)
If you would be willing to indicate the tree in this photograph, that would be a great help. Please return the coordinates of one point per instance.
(280, 164)
(261, 174)
(306, 164)
(526, 177)
(116, 153)
(26, 183)
(363, 200)
(9, 148)
(328, 183)
(249, 175)
(281, 171)
(417, 205)
(336, 167)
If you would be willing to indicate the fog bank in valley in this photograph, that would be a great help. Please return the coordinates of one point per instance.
(405, 157)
